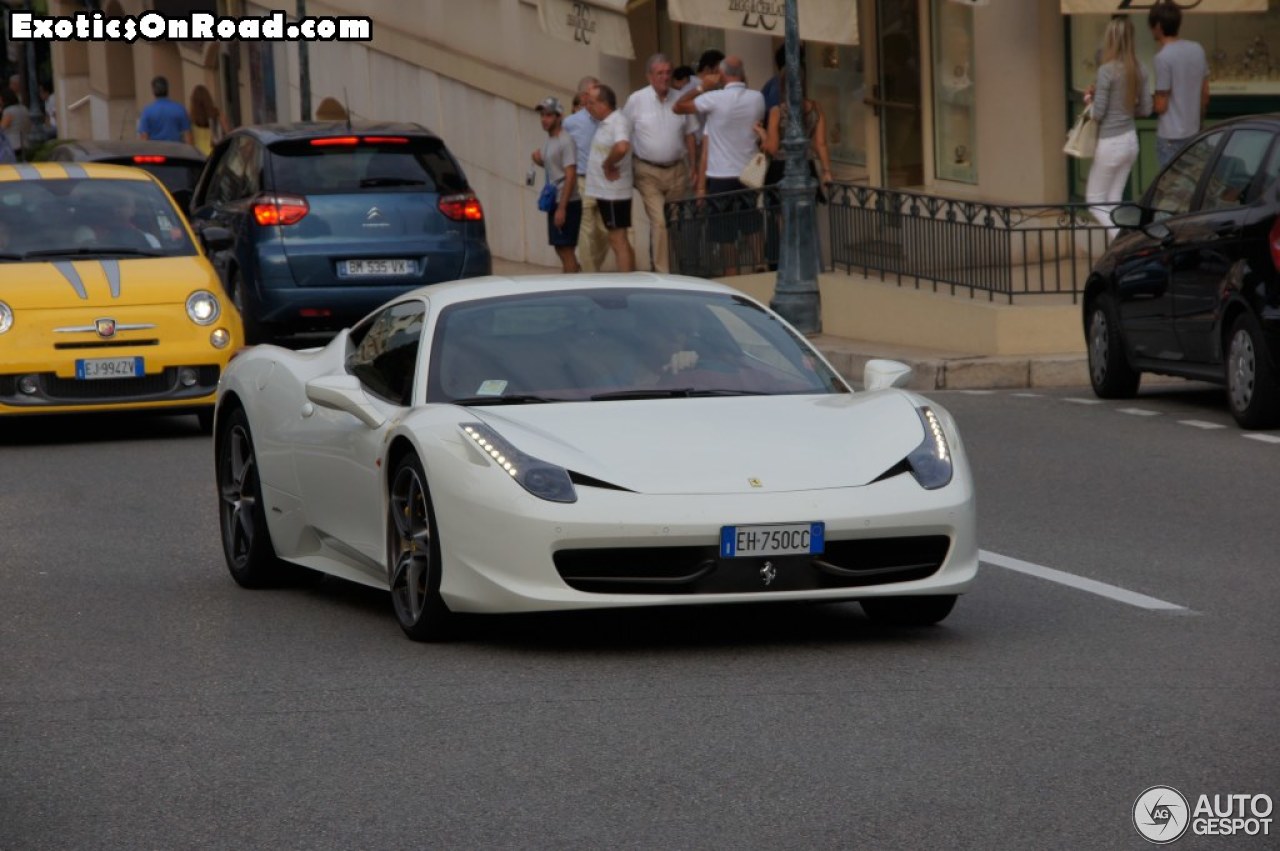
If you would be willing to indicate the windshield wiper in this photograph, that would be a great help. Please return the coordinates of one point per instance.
(391, 181)
(508, 399)
(95, 251)
(671, 393)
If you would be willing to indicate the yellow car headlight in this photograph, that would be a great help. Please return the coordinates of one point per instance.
(202, 307)
(6, 317)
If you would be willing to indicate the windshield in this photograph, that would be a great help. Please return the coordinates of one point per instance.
(88, 217)
(360, 164)
(614, 344)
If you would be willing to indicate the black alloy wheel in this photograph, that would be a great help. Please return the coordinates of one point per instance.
(413, 556)
(1252, 390)
(1109, 371)
(246, 541)
(909, 611)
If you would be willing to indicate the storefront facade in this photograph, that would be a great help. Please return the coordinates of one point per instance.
(959, 98)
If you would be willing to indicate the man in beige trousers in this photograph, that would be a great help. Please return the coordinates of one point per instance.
(593, 239)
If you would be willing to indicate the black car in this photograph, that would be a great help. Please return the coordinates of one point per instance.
(177, 165)
(1191, 286)
(332, 219)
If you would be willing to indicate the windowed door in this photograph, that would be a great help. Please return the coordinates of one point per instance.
(895, 97)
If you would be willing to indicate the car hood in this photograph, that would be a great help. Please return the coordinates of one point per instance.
(750, 444)
(125, 282)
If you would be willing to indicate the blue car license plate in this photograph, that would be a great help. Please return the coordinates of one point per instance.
(775, 539)
(94, 368)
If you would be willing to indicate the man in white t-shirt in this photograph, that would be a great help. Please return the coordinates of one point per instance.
(731, 113)
(662, 149)
(609, 173)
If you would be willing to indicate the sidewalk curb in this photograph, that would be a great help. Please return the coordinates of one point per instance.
(932, 371)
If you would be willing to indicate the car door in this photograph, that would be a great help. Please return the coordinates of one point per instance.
(1210, 242)
(338, 458)
(1146, 294)
(224, 199)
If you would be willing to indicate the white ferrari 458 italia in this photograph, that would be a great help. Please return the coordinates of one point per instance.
(569, 442)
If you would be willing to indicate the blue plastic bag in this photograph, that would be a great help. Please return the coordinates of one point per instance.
(549, 197)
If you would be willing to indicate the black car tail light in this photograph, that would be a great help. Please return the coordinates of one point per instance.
(279, 209)
(462, 208)
(1273, 242)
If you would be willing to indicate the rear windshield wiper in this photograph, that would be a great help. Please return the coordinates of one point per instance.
(508, 399)
(94, 251)
(391, 181)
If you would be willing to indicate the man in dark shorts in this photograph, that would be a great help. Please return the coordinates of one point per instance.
(609, 173)
(559, 158)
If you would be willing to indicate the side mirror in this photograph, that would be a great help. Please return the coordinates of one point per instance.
(881, 374)
(344, 393)
(1127, 216)
(216, 239)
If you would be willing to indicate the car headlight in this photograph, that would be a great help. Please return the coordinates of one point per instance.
(540, 478)
(6, 317)
(931, 461)
(202, 307)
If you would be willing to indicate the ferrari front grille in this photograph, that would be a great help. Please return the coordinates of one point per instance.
(700, 570)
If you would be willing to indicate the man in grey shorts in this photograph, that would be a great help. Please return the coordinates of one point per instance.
(1182, 82)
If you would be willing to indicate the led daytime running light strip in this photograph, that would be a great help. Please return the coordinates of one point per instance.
(493, 451)
(935, 428)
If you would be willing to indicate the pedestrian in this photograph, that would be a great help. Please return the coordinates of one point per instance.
(609, 173)
(774, 130)
(682, 77)
(208, 124)
(771, 90)
(50, 108)
(1118, 96)
(15, 122)
(663, 150)
(1182, 82)
(731, 114)
(163, 119)
(559, 160)
(593, 239)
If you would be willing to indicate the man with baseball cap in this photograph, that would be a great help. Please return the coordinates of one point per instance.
(558, 157)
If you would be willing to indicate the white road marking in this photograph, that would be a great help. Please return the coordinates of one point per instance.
(1029, 395)
(1265, 438)
(1078, 401)
(1093, 586)
(1200, 424)
(978, 392)
(1140, 412)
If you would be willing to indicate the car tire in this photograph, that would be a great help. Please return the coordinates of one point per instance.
(1252, 390)
(242, 517)
(413, 556)
(909, 611)
(243, 301)
(1109, 371)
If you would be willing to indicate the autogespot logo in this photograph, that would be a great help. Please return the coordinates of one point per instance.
(1160, 814)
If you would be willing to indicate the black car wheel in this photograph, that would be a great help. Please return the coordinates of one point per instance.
(240, 297)
(246, 541)
(909, 611)
(1109, 372)
(1251, 384)
(413, 556)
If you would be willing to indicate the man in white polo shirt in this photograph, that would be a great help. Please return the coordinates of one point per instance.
(732, 113)
(609, 173)
(662, 150)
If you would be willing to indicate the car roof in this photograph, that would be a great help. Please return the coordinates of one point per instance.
(494, 286)
(97, 149)
(63, 171)
(270, 133)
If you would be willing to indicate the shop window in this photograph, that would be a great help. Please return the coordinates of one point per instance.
(953, 102)
(835, 80)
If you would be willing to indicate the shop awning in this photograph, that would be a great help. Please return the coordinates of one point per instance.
(1111, 7)
(830, 21)
(601, 24)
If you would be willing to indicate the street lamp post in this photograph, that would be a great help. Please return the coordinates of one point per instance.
(796, 296)
(304, 68)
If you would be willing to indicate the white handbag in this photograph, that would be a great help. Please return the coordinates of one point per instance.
(753, 172)
(1082, 141)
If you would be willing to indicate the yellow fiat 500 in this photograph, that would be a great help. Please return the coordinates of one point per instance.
(106, 302)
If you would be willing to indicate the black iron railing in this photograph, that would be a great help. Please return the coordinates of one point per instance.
(925, 241)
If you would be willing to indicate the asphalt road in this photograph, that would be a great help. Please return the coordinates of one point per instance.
(148, 702)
